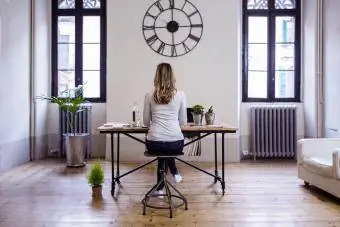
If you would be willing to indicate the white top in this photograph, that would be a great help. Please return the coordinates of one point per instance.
(164, 120)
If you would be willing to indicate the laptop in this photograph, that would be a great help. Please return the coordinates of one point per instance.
(190, 119)
(189, 115)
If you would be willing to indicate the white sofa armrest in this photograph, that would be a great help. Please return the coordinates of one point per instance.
(336, 163)
(317, 147)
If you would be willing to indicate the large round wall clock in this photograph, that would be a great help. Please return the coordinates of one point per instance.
(172, 28)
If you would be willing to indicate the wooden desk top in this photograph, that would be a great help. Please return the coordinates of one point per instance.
(186, 128)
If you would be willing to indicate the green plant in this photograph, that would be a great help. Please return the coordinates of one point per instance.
(70, 100)
(96, 175)
(210, 110)
(198, 109)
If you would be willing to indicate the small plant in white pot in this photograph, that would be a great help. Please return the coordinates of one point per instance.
(95, 178)
(197, 113)
(210, 116)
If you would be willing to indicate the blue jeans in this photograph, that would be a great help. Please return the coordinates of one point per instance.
(160, 148)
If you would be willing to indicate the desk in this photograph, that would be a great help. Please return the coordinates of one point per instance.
(202, 130)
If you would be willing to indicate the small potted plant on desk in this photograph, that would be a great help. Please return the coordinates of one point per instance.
(197, 113)
(72, 102)
(210, 116)
(96, 179)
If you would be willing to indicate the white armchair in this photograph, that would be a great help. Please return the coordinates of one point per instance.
(319, 163)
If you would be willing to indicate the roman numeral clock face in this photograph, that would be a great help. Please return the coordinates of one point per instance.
(172, 28)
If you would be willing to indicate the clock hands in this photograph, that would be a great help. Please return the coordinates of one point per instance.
(163, 20)
(172, 6)
(180, 26)
(192, 26)
(173, 38)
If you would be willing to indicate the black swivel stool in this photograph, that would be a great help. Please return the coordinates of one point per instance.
(167, 187)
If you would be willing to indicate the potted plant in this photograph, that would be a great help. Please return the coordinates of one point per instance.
(210, 116)
(72, 102)
(197, 113)
(95, 178)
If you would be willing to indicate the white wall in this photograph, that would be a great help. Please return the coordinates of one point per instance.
(41, 79)
(306, 121)
(45, 116)
(14, 81)
(331, 29)
(321, 80)
(309, 51)
(209, 74)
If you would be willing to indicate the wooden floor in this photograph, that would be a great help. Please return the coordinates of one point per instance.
(45, 193)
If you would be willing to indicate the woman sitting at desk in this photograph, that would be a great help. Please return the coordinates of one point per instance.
(164, 112)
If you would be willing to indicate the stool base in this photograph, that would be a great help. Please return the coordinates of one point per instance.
(168, 195)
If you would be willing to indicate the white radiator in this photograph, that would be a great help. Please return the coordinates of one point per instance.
(82, 125)
(273, 131)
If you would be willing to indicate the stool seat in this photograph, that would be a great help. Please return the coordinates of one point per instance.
(163, 155)
(167, 186)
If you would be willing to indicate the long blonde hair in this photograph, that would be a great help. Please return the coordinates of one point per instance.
(164, 83)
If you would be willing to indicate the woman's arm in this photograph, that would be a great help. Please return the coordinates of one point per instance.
(147, 111)
(182, 116)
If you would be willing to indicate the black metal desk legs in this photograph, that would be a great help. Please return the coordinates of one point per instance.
(118, 149)
(215, 176)
(116, 179)
(112, 167)
(223, 182)
(118, 176)
(215, 145)
(216, 171)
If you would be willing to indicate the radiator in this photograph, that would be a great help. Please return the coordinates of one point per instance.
(273, 131)
(82, 125)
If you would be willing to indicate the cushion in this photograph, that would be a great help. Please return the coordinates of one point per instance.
(319, 166)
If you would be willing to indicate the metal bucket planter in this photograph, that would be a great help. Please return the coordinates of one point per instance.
(209, 118)
(75, 145)
(197, 118)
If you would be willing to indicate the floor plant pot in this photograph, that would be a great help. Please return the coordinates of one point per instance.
(197, 118)
(209, 118)
(97, 191)
(75, 145)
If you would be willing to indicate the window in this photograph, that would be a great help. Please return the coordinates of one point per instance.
(271, 51)
(79, 47)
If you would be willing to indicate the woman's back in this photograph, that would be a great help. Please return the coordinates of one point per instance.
(165, 119)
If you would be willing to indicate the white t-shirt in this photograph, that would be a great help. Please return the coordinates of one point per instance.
(164, 120)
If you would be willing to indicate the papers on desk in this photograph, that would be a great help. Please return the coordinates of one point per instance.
(116, 125)
(208, 126)
(215, 126)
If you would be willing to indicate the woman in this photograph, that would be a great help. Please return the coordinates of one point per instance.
(164, 112)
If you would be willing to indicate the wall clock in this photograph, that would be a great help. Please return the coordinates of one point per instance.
(172, 28)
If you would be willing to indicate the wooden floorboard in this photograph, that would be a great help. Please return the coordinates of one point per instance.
(46, 193)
